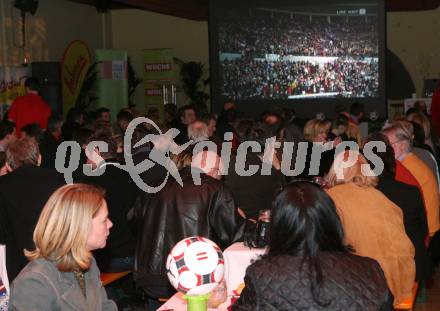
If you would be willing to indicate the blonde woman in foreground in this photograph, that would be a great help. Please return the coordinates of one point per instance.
(62, 273)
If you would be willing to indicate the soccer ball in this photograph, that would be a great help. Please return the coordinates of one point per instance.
(195, 266)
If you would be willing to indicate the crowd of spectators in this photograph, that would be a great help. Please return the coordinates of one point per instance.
(252, 74)
(285, 34)
(245, 78)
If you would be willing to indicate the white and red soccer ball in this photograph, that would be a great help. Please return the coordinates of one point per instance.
(195, 266)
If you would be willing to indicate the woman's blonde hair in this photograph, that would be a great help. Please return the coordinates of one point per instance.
(423, 121)
(359, 173)
(315, 127)
(63, 227)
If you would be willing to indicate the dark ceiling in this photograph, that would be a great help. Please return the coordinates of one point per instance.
(198, 9)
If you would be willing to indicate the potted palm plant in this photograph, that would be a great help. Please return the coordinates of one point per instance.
(194, 82)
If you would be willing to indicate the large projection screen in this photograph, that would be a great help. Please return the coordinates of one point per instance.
(307, 55)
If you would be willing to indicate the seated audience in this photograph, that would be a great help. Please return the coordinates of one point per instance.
(373, 224)
(308, 265)
(62, 273)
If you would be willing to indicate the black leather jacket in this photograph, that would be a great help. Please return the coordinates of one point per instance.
(350, 282)
(175, 213)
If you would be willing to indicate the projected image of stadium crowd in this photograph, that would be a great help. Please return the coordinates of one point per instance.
(304, 52)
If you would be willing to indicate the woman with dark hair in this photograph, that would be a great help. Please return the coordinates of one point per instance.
(308, 266)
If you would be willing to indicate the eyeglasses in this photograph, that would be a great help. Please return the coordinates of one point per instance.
(395, 142)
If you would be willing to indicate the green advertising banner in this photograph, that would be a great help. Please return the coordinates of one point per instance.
(112, 85)
(158, 79)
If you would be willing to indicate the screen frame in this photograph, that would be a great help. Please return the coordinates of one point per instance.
(306, 108)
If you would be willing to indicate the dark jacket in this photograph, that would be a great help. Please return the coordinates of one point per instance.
(410, 200)
(350, 283)
(326, 160)
(68, 130)
(48, 149)
(256, 192)
(301, 160)
(175, 213)
(23, 194)
(155, 175)
(182, 137)
(120, 194)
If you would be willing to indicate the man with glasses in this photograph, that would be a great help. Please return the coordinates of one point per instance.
(401, 141)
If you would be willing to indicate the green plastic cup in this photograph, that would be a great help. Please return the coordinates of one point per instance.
(197, 303)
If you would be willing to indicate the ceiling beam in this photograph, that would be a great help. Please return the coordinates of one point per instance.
(411, 5)
(191, 9)
(198, 9)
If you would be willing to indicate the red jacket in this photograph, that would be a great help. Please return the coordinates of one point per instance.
(405, 176)
(29, 109)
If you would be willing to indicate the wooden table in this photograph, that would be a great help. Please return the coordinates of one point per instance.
(107, 278)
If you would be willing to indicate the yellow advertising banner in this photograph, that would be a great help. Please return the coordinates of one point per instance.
(74, 65)
(12, 85)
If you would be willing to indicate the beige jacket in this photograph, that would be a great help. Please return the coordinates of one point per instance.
(373, 225)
